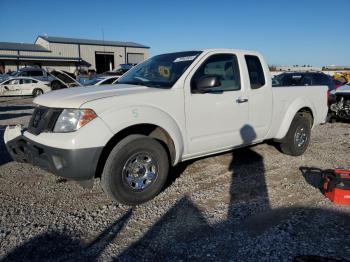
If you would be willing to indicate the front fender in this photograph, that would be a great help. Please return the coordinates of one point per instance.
(120, 119)
(293, 108)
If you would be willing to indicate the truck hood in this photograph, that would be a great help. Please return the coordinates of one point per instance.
(77, 96)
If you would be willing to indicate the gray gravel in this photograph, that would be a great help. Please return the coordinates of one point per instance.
(252, 204)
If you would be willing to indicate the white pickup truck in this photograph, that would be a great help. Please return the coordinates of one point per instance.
(171, 108)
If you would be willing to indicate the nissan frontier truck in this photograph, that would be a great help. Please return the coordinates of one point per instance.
(170, 108)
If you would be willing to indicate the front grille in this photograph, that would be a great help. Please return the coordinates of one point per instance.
(43, 120)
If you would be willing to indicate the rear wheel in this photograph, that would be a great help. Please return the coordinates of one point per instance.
(135, 170)
(37, 92)
(297, 139)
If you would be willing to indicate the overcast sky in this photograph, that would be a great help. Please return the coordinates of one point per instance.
(286, 32)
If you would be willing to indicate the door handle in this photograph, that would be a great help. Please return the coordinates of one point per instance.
(241, 100)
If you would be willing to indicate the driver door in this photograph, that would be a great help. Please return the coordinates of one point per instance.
(215, 120)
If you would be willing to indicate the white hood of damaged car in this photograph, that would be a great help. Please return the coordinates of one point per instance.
(343, 89)
(75, 97)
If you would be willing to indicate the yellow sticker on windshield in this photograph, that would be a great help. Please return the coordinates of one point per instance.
(164, 71)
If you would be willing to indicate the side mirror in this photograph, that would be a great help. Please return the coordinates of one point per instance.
(206, 83)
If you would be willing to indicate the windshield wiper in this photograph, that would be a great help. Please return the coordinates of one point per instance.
(148, 84)
(132, 83)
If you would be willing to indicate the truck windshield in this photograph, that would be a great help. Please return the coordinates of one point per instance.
(160, 71)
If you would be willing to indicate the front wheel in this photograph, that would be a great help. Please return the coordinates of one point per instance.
(136, 170)
(298, 136)
(55, 85)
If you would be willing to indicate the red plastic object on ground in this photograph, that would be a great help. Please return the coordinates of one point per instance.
(336, 186)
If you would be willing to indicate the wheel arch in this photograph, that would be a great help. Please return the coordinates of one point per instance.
(289, 116)
(150, 130)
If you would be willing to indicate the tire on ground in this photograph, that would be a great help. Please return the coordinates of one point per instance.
(289, 144)
(112, 180)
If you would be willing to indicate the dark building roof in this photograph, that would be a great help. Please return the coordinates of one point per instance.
(65, 40)
(22, 47)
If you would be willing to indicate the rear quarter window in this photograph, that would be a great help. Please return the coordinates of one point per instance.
(255, 71)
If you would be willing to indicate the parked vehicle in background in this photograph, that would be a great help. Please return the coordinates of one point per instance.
(305, 79)
(3, 76)
(122, 69)
(106, 80)
(170, 108)
(40, 74)
(341, 106)
(337, 83)
(100, 80)
(7, 75)
(72, 75)
(343, 77)
(24, 86)
(65, 79)
(57, 79)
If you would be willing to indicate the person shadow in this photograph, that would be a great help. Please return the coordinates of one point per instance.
(248, 185)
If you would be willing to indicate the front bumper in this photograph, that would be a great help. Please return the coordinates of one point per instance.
(76, 164)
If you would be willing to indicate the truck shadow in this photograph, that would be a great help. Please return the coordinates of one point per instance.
(5, 157)
(252, 230)
(61, 246)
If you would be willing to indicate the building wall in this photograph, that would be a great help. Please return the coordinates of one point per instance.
(138, 50)
(65, 66)
(6, 52)
(42, 42)
(57, 49)
(87, 53)
(10, 65)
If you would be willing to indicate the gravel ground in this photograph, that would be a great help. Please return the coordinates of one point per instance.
(252, 204)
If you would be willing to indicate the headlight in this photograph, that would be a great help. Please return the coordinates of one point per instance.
(72, 119)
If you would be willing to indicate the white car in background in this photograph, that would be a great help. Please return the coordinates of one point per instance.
(24, 86)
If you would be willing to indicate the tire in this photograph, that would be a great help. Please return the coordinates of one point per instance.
(37, 92)
(298, 136)
(331, 118)
(55, 85)
(118, 177)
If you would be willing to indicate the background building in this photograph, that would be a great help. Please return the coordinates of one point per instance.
(71, 53)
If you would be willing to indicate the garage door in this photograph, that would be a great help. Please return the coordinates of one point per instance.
(135, 58)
